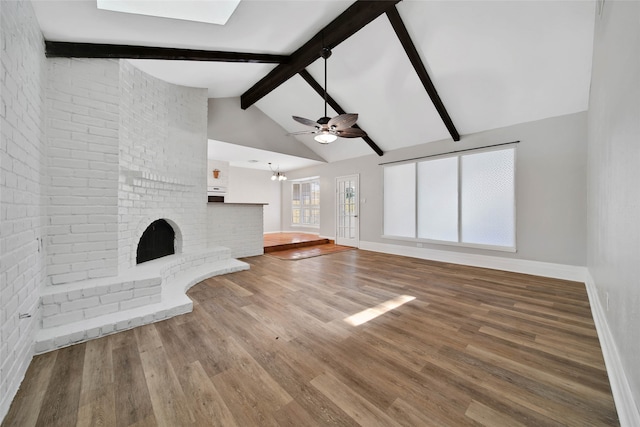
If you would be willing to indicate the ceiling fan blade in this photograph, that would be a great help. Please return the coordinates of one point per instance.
(303, 132)
(351, 133)
(304, 121)
(343, 121)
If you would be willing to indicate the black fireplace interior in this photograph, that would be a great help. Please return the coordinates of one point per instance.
(156, 241)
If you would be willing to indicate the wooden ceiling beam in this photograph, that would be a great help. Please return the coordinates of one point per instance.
(332, 102)
(55, 49)
(421, 70)
(344, 26)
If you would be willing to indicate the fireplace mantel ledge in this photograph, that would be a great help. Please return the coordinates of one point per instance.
(132, 175)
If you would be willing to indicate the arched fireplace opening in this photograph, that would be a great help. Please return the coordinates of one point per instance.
(158, 240)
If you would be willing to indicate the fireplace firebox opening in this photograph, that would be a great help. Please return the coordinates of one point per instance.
(158, 240)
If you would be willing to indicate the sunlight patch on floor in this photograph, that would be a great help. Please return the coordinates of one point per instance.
(371, 313)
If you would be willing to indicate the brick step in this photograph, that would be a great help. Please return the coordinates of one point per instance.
(288, 246)
(147, 293)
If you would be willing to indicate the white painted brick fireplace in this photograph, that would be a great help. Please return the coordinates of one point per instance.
(93, 151)
(124, 149)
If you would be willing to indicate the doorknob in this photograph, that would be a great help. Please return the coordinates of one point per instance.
(355, 216)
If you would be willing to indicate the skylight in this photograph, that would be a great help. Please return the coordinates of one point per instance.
(213, 12)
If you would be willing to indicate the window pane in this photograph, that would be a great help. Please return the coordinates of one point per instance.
(315, 193)
(306, 193)
(438, 199)
(488, 205)
(305, 202)
(400, 200)
(295, 194)
(306, 216)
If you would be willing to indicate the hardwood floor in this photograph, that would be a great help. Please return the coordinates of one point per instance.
(296, 246)
(309, 251)
(450, 346)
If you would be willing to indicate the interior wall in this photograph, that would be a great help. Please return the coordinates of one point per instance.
(82, 99)
(613, 208)
(223, 173)
(251, 128)
(22, 146)
(163, 161)
(255, 186)
(550, 189)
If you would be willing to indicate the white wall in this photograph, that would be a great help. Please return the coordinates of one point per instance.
(223, 175)
(82, 173)
(613, 228)
(22, 145)
(255, 186)
(252, 128)
(124, 149)
(163, 161)
(550, 187)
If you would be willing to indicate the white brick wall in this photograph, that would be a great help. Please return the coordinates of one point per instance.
(22, 81)
(124, 149)
(93, 151)
(76, 312)
(72, 303)
(82, 100)
(237, 227)
(163, 159)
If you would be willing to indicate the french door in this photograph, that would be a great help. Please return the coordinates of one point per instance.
(347, 206)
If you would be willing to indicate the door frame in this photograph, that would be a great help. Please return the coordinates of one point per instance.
(348, 242)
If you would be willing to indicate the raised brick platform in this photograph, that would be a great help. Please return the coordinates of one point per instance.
(147, 293)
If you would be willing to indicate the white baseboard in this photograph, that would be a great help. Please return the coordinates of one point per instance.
(545, 269)
(627, 410)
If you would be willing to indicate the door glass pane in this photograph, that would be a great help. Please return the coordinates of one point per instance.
(487, 198)
(400, 200)
(438, 199)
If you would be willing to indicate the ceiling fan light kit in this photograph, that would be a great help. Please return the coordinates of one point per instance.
(328, 129)
(325, 138)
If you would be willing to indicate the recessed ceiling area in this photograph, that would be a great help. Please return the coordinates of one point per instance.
(493, 64)
(254, 158)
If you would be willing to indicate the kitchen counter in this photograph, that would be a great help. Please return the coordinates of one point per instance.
(237, 226)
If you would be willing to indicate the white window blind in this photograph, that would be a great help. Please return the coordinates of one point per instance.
(438, 199)
(488, 205)
(466, 199)
(400, 200)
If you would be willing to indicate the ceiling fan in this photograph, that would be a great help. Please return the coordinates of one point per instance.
(329, 129)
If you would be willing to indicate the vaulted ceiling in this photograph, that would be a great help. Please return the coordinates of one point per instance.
(491, 63)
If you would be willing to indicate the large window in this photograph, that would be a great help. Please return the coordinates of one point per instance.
(466, 199)
(305, 202)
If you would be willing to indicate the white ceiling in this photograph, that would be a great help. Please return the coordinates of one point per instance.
(213, 12)
(254, 158)
(494, 63)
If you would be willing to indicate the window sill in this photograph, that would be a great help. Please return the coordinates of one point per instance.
(305, 226)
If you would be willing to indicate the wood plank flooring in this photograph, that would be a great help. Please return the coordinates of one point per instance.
(461, 346)
(308, 251)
